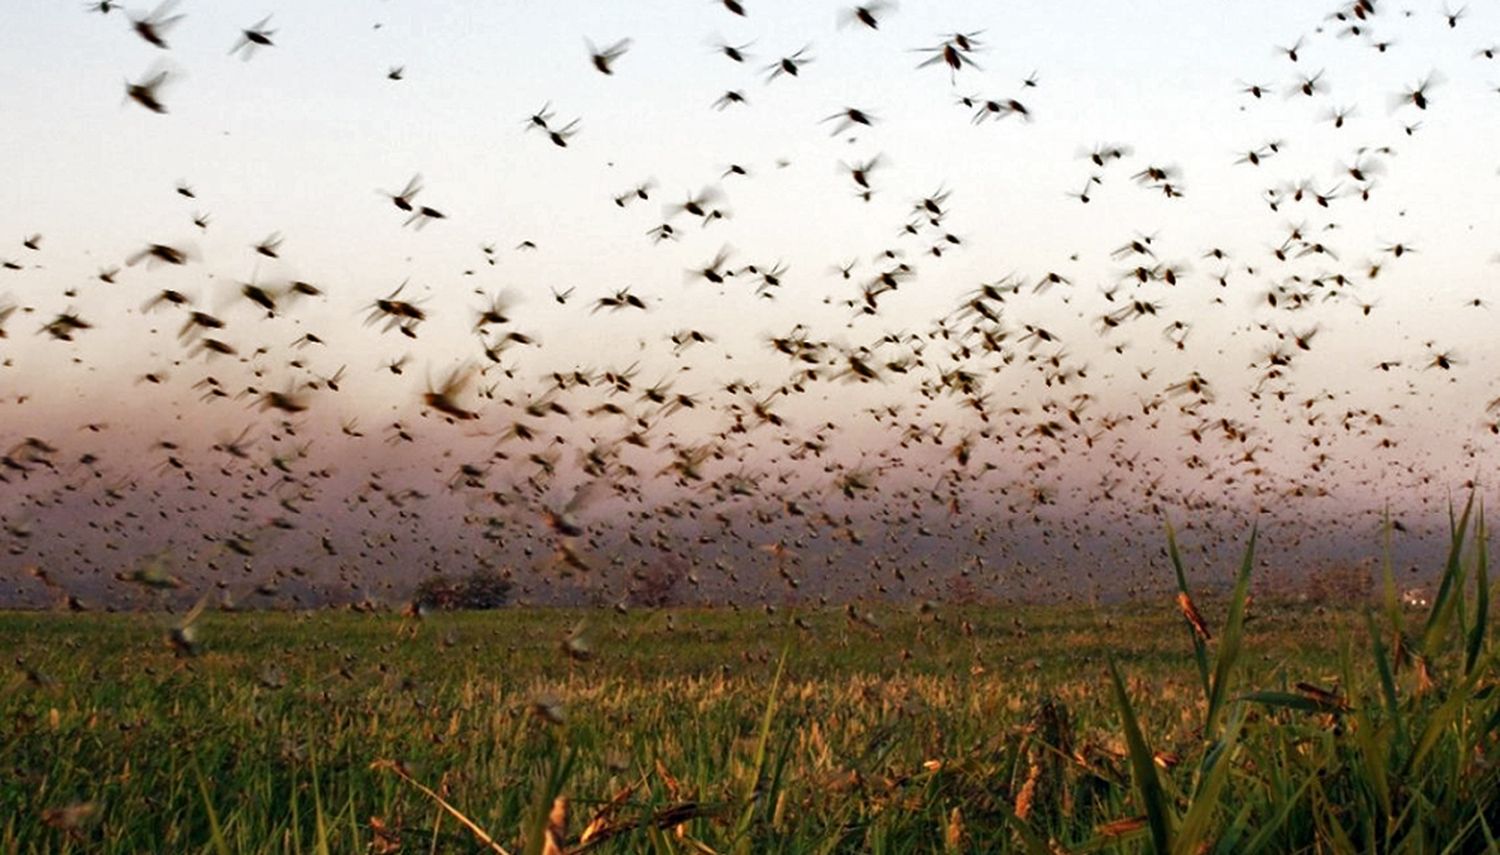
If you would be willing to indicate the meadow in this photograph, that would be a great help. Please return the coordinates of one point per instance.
(1235, 723)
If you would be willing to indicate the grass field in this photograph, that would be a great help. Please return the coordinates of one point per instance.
(958, 728)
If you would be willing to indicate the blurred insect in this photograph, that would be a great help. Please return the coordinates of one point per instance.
(153, 26)
(603, 59)
(147, 92)
(252, 38)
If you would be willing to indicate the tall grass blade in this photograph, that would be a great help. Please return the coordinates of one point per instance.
(320, 823)
(1481, 594)
(1143, 769)
(753, 794)
(1387, 678)
(1265, 834)
(1193, 832)
(1390, 594)
(1200, 649)
(221, 846)
(1444, 716)
(1229, 643)
(1445, 604)
(1291, 701)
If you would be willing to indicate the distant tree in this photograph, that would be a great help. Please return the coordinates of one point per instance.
(484, 588)
(657, 585)
(436, 592)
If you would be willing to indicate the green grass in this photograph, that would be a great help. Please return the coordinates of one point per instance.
(1035, 729)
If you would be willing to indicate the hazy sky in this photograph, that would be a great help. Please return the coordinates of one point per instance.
(301, 138)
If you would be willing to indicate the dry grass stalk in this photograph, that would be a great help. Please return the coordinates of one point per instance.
(395, 767)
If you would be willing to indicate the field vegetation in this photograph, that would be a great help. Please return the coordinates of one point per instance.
(1238, 723)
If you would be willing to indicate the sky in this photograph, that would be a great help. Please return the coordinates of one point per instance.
(1248, 387)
